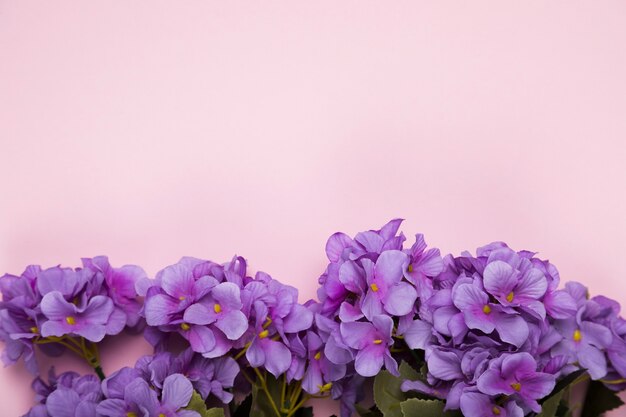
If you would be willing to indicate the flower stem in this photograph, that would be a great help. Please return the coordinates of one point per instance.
(267, 392)
(298, 406)
(80, 348)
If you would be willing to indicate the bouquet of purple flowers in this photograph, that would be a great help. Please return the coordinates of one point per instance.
(491, 335)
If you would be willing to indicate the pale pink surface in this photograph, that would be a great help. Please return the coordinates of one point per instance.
(150, 130)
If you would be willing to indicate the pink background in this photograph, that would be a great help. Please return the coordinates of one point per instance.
(149, 130)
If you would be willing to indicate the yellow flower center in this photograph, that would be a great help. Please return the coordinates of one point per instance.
(410, 268)
(509, 297)
(162, 415)
(374, 287)
(378, 341)
(264, 334)
(70, 320)
(317, 356)
(185, 326)
(217, 308)
(496, 410)
(34, 329)
(131, 414)
(182, 298)
(325, 387)
(516, 386)
(577, 335)
(486, 309)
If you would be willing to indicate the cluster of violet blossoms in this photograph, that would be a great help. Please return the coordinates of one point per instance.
(496, 332)
(371, 285)
(161, 385)
(218, 310)
(490, 334)
(56, 307)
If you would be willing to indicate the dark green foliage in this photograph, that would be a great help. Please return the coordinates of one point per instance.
(599, 400)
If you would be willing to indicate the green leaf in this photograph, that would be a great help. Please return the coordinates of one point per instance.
(197, 404)
(368, 412)
(551, 404)
(599, 400)
(387, 392)
(564, 383)
(261, 402)
(425, 408)
(214, 412)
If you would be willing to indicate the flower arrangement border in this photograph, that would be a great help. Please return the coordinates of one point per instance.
(485, 335)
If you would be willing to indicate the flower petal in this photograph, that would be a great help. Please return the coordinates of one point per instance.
(98, 310)
(55, 307)
(159, 308)
(228, 295)
(512, 329)
(177, 280)
(277, 357)
(177, 391)
(593, 360)
(390, 266)
(199, 314)
(418, 335)
(491, 383)
(369, 361)
(234, 324)
(299, 318)
(62, 403)
(336, 245)
(444, 365)
(138, 392)
(112, 408)
(352, 277)
(357, 334)
(499, 279)
(400, 299)
(201, 339)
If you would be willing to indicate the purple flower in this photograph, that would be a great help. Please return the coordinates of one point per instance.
(66, 318)
(423, 265)
(372, 342)
(267, 352)
(321, 372)
(584, 340)
(119, 284)
(480, 313)
(514, 287)
(208, 376)
(178, 287)
(516, 375)
(475, 404)
(69, 395)
(20, 317)
(386, 290)
(140, 399)
(222, 307)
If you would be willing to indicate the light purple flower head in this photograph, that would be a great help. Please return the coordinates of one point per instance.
(516, 375)
(208, 376)
(20, 317)
(372, 342)
(142, 400)
(89, 302)
(68, 395)
(195, 299)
